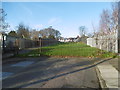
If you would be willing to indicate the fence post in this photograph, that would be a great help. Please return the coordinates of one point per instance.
(40, 45)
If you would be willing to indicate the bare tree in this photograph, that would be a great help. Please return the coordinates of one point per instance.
(94, 28)
(23, 31)
(105, 22)
(108, 26)
(89, 34)
(114, 18)
(109, 20)
(34, 35)
(3, 24)
(49, 32)
(82, 30)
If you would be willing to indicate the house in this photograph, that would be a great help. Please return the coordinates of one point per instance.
(82, 39)
(67, 39)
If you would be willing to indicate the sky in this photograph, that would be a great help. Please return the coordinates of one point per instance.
(66, 17)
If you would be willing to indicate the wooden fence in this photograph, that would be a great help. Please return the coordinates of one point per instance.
(11, 42)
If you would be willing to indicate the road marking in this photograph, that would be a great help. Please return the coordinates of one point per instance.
(23, 64)
(4, 75)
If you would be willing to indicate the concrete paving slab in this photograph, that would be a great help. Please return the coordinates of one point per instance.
(112, 83)
(109, 74)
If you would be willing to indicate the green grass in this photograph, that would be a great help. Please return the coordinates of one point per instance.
(69, 50)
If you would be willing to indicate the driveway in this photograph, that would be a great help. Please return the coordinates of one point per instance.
(50, 72)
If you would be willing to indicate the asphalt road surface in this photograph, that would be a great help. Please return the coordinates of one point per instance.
(49, 72)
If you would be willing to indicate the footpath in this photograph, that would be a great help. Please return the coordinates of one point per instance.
(109, 75)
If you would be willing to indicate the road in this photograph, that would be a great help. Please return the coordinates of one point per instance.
(50, 72)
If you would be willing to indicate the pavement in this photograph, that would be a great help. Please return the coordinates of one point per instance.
(108, 74)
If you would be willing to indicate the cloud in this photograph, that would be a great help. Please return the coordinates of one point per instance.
(53, 21)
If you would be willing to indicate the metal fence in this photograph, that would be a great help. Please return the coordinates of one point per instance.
(110, 43)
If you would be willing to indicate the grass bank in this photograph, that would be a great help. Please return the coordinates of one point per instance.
(69, 50)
